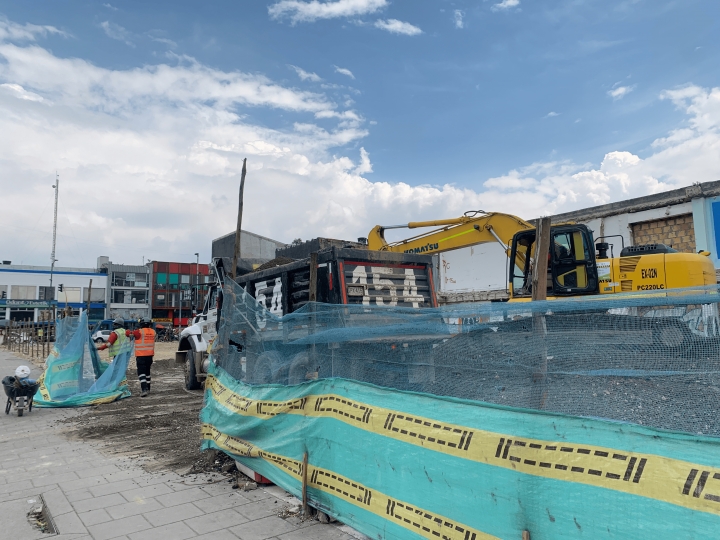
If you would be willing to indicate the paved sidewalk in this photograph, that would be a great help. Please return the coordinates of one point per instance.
(93, 496)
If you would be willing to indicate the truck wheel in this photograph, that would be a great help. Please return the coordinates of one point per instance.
(191, 382)
(269, 367)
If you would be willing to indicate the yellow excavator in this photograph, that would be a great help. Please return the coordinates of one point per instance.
(574, 267)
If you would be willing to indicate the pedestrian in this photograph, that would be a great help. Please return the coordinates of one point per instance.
(115, 340)
(144, 352)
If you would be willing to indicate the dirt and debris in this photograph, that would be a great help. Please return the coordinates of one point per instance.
(279, 261)
(36, 518)
(160, 431)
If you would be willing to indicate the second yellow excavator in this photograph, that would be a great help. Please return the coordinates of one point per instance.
(574, 267)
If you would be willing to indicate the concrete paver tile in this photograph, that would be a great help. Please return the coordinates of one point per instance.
(78, 495)
(86, 505)
(54, 479)
(180, 497)
(113, 487)
(316, 532)
(260, 529)
(119, 527)
(93, 517)
(173, 531)
(256, 495)
(174, 513)
(214, 522)
(147, 491)
(97, 471)
(69, 523)
(134, 508)
(217, 489)
(225, 534)
(57, 502)
(259, 509)
(124, 475)
(83, 483)
(221, 502)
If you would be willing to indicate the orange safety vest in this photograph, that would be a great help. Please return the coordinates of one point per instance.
(145, 345)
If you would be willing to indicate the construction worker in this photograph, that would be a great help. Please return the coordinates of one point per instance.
(116, 339)
(144, 352)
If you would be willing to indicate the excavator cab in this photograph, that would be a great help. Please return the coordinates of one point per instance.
(571, 262)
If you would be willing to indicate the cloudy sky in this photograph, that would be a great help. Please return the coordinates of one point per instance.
(350, 113)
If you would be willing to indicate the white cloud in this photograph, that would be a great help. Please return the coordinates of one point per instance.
(11, 31)
(344, 71)
(20, 93)
(365, 166)
(306, 75)
(458, 17)
(505, 5)
(154, 154)
(551, 114)
(620, 92)
(398, 27)
(169, 42)
(298, 11)
(109, 6)
(115, 31)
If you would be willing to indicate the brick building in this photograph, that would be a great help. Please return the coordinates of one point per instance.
(178, 290)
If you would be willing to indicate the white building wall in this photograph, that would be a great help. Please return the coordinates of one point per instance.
(27, 276)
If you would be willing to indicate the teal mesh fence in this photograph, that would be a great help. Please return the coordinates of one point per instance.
(75, 375)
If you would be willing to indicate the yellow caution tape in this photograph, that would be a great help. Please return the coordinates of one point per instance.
(426, 524)
(674, 481)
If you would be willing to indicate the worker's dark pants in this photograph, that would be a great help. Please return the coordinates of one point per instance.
(143, 370)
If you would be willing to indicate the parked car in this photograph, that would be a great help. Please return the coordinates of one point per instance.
(101, 336)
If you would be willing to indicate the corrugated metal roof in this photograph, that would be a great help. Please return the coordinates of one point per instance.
(129, 268)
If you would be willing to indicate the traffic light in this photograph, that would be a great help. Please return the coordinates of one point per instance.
(3, 295)
(60, 288)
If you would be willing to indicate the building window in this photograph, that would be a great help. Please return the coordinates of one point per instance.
(184, 279)
(138, 297)
(130, 279)
(161, 278)
(173, 279)
(70, 295)
(160, 300)
(46, 293)
(97, 295)
(23, 292)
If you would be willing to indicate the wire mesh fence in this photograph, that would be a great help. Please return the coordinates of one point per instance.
(650, 359)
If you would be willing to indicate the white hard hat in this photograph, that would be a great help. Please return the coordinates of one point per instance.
(22, 372)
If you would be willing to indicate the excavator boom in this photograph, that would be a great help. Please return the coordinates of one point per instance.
(470, 229)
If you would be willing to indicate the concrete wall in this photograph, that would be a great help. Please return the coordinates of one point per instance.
(252, 246)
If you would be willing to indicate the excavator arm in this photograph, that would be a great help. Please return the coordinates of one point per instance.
(472, 228)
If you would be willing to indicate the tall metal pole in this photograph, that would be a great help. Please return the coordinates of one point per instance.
(52, 255)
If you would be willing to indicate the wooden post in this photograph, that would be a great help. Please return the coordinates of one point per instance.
(236, 253)
(87, 309)
(539, 292)
(305, 507)
(313, 277)
(542, 248)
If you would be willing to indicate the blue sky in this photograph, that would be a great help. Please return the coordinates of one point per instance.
(350, 112)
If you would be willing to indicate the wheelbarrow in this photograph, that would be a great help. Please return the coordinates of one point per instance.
(18, 394)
